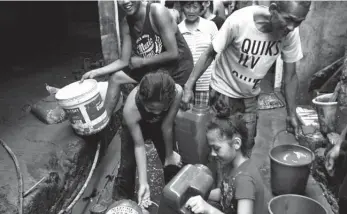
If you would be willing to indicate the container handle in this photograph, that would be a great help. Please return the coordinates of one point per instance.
(276, 135)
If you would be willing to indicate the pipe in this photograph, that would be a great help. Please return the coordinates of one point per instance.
(33, 187)
(96, 158)
(19, 176)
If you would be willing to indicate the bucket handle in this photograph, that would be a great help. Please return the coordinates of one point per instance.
(276, 135)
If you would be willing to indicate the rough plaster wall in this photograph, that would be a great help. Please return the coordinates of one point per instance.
(323, 37)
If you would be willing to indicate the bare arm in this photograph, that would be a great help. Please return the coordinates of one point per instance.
(213, 210)
(202, 64)
(167, 29)
(167, 126)
(245, 206)
(123, 61)
(215, 195)
(131, 120)
(290, 86)
(218, 8)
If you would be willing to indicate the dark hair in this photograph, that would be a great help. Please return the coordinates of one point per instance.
(283, 4)
(182, 3)
(157, 87)
(211, 6)
(170, 4)
(228, 127)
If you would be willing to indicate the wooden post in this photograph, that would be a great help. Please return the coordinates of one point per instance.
(109, 30)
(342, 97)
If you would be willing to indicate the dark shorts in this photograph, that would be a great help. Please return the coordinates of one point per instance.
(136, 74)
(179, 74)
(226, 107)
(247, 108)
(343, 196)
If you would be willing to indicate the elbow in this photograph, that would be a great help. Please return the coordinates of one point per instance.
(174, 55)
(167, 130)
(124, 63)
(210, 53)
(139, 145)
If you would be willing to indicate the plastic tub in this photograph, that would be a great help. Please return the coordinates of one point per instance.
(326, 113)
(84, 106)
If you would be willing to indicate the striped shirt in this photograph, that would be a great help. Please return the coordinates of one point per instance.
(198, 41)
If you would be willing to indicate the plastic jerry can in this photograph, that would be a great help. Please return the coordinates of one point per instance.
(98, 209)
(124, 207)
(190, 134)
(191, 180)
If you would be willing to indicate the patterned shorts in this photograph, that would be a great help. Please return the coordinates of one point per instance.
(201, 98)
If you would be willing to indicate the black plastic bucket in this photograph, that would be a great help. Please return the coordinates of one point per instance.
(294, 204)
(289, 178)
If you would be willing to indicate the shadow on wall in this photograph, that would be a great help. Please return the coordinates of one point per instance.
(323, 39)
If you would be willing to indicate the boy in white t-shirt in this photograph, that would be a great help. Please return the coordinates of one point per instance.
(198, 33)
(246, 46)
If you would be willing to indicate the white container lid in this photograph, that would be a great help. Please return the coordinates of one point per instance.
(76, 89)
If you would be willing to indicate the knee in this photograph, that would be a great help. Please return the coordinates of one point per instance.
(342, 205)
(115, 79)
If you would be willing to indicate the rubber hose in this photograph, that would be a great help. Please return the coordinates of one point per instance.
(96, 158)
(19, 176)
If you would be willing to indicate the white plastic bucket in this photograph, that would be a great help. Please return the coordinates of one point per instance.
(84, 106)
(326, 113)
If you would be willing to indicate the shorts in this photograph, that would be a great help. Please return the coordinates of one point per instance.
(201, 98)
(136, 74)
(179, 76)
(228, 107)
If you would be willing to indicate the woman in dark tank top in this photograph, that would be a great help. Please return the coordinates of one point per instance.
(150, 41)
(147, 43)
(149, 113)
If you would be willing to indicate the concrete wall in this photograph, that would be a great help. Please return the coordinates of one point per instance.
(323, 37)
(30, 27)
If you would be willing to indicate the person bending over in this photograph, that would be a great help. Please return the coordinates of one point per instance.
(149, 113)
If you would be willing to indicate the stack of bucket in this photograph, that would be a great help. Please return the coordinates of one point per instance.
(288, 183)
(326, 111)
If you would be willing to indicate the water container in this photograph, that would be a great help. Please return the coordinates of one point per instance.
(190, 133)
(84, 106)
(192, 180)
(124, 207)
(98, 209)
(289, 178)
(294, 204)
(326, 113)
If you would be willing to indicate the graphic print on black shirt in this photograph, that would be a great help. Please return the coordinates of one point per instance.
(146, 47)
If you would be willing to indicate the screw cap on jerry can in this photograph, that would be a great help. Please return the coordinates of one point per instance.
(203, 168)
(98, 209)
(125, 207)
(200, 109)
